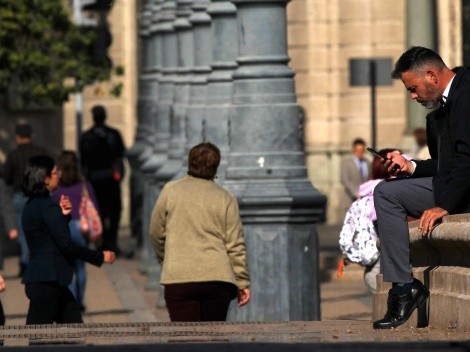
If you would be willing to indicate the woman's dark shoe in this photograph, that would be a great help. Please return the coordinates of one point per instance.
(399, 308)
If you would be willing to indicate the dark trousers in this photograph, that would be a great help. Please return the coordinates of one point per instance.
(108, 195)
(2, 315)
(394, 200)
(51, 303)
(199, 301)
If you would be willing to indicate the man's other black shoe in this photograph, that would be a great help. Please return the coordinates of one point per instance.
(399, 308)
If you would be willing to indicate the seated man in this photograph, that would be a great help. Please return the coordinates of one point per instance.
(435, 187)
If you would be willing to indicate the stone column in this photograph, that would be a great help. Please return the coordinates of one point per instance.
(148, 99)
(266, 170)
(201, 22)
(419, 33)
(151, 159)
(162, 136)
(220, 81)
(143, 122)
(185, 42)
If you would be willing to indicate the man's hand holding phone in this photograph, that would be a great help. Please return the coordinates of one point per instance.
(394, 163)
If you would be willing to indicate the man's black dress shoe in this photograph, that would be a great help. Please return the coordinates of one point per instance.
(399, 308)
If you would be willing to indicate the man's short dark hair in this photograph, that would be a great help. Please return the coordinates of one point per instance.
(203, 161)
(24, 130)
(414, 58)
(99, 114)
(359, 141)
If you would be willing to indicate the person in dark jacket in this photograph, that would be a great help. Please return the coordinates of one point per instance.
(433, 188)
(101, 153)
(13, 174)
(52, 250)
(7, 212)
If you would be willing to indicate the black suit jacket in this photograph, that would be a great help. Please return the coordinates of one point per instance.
(52, 251)
(101, 151)
(448, 130)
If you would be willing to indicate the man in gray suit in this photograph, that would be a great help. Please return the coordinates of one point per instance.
(355, 170)
(432, 188)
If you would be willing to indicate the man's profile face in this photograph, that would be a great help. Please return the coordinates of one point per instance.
(423, 89)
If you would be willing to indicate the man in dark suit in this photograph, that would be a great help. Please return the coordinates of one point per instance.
(355, 170)
(102, 152)
(433, 188)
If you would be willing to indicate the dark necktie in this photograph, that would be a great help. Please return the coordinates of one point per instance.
(443, 100)
(363, 168)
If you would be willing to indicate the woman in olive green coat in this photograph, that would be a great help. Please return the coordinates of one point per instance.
(197, 235)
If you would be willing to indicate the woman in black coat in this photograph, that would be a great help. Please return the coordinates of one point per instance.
(52, 251)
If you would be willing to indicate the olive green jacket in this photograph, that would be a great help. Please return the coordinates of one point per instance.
(197, 234)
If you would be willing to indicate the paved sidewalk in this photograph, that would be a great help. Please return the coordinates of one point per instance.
(116, 295)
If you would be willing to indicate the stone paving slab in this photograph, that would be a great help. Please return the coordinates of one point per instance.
(247, 332)
(260, 347)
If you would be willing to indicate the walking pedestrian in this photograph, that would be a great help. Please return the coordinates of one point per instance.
(13, 174)
(197, 235)
(102, 152)
(71, 185)
(51, 246)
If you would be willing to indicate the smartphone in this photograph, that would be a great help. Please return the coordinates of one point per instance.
(375, 152)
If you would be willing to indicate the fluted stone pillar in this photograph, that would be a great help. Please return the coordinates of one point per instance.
(148, 93)
(151, 159)
(220, 81)
(143, 122)
(185, 46)
(144, 94)
(266, 170)
(164, 106)
(201, 23)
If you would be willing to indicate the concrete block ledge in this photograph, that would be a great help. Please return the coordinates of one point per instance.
(448, 243)
(442, 261)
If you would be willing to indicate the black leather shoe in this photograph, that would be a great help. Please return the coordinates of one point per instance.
(399, 308)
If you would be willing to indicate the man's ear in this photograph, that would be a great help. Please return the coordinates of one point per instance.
(431, 76)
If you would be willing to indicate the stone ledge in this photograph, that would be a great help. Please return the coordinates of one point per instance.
(442, 261)
(447, 244)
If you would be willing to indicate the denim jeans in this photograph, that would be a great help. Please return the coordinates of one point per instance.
(77, 286)
(19, 201)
